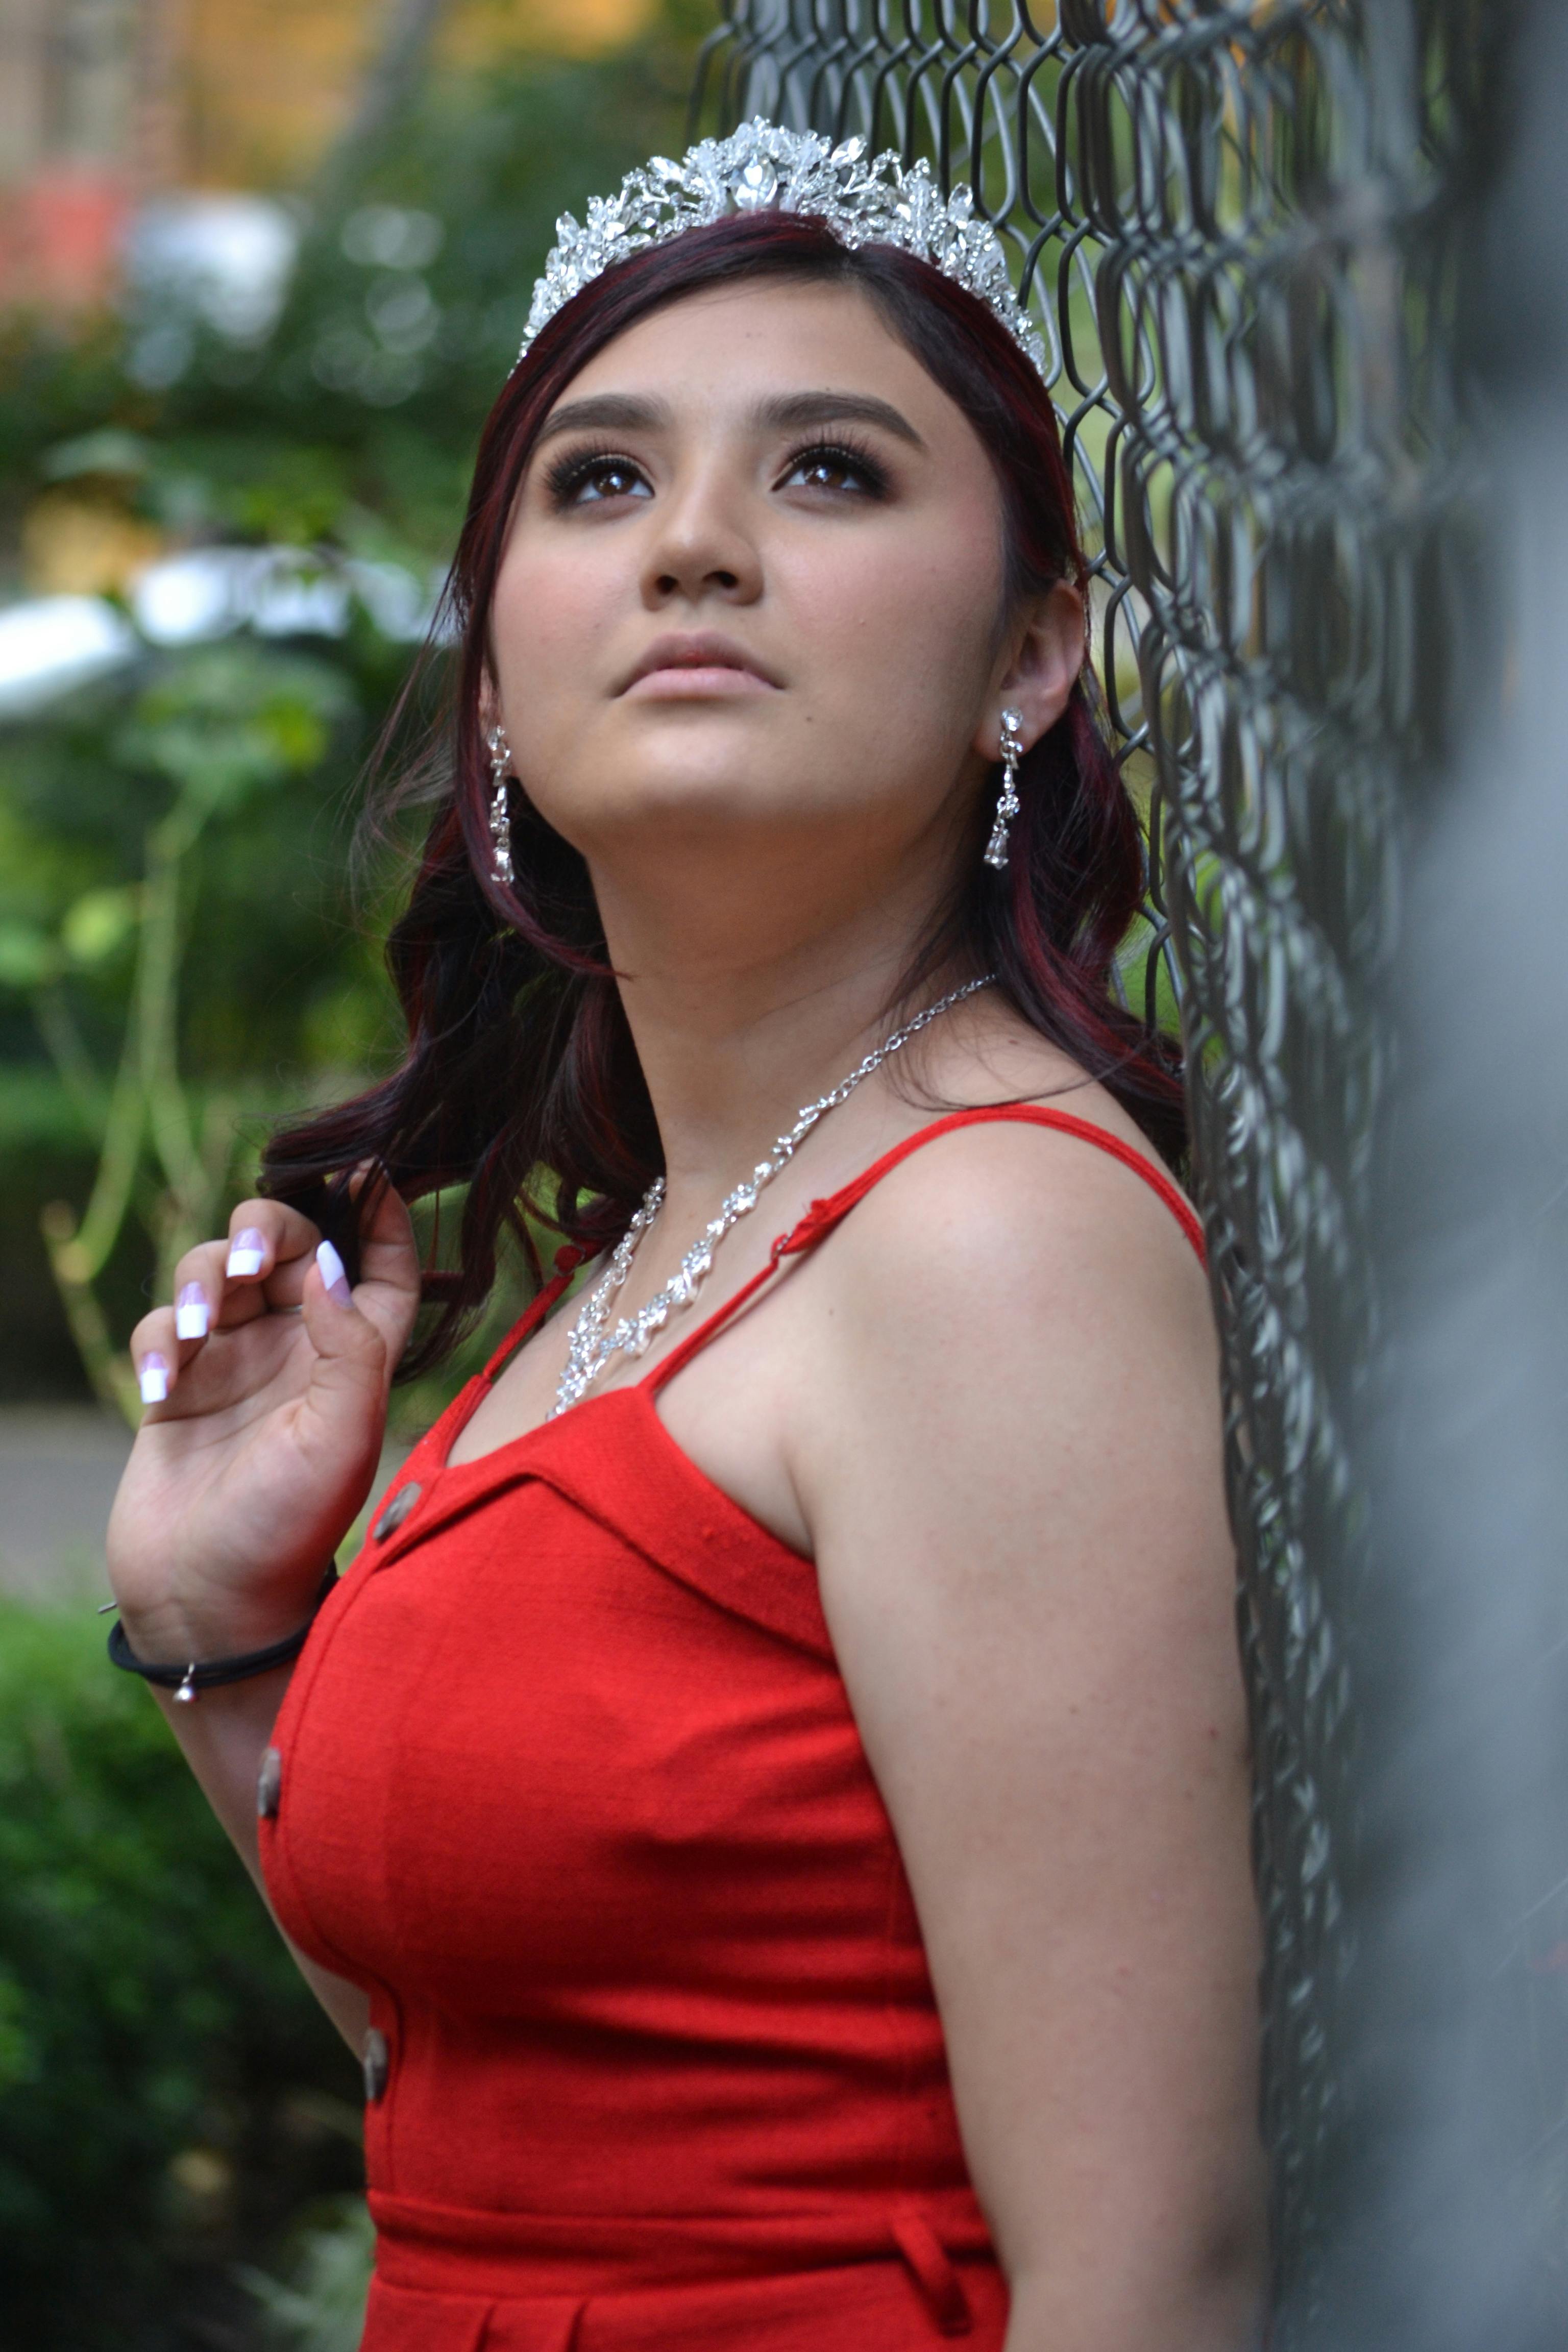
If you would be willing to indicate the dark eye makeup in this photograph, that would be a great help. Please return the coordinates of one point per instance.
(850, 459)
(588, 477)
(591, 477)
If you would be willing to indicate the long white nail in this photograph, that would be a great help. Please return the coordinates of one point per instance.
(191, 1312)
(332, 1274)
(247, 1251)
(153, 1381)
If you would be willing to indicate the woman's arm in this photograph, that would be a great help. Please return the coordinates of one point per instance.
(1012, 1467)
(244, 1480)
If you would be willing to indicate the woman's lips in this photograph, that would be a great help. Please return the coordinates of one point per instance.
(698, 665)
(707, 682)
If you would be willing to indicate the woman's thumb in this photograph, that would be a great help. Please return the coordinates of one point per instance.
(350, 1351)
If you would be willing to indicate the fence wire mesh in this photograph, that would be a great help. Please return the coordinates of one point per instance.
(1235, 226)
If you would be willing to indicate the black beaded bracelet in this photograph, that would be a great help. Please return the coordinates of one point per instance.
(188, 1681)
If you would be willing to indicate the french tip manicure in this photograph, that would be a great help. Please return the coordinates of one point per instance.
(332, 1274)
(191, 1312)
(247, 1251)
(154, 1381)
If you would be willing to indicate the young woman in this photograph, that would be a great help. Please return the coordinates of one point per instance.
(769, 1801)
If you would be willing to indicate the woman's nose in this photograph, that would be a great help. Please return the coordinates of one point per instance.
(701, 548)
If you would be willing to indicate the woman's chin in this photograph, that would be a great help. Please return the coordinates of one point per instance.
(696, 807)
(692, 764)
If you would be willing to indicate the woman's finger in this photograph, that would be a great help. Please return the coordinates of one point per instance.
(155, 1356)
(199, 1290)
(264, 1235)
(208, 1299)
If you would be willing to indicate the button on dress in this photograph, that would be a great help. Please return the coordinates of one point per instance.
(570, 1784)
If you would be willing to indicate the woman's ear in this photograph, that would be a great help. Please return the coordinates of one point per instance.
(1040, 669)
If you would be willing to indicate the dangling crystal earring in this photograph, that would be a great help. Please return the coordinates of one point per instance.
(1007, 803)
(501, 819)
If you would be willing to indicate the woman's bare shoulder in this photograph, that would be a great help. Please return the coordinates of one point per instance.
(1022, 1193)
(1015, 1391)
(1017, 1336)
(1020, 1233)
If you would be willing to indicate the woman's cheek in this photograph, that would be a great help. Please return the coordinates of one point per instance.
(860, 614)
(547, 625)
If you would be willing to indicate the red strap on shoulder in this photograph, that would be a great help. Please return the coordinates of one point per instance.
(821, 1216)
(567, 1261)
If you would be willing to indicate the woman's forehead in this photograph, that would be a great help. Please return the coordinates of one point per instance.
(729, 347)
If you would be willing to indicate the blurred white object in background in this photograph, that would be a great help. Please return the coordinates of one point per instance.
(224, 259)
(52, 643)
(390, 236)
(279, 592)
(210, 592)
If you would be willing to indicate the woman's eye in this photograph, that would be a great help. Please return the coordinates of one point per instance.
(834, 469)
(588, 482)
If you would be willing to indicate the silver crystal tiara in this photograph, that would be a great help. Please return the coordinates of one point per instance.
(763, 167)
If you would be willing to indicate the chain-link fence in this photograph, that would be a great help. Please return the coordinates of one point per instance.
(1238, 227)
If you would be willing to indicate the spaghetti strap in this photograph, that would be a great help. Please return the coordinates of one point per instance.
(823, 1215)
(567, 1261)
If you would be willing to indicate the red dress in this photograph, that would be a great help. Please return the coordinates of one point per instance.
(571, 1785)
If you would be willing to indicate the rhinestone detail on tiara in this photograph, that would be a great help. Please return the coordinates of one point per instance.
(763, 167)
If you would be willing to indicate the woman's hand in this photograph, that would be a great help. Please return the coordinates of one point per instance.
(248, 1472)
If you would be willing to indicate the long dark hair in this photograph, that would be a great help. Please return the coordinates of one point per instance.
(521, 1081)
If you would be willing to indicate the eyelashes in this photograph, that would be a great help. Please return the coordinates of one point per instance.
(572, 473)
(843, 456)
(608, 473)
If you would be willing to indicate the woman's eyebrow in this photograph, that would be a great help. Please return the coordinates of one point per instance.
(607, 412)
(792, 410)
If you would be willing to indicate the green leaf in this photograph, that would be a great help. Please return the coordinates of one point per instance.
(100, 922)
(231, 720)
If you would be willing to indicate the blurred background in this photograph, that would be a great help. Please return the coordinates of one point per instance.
(264, 265)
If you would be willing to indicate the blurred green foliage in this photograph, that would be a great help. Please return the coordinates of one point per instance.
(320, 2307)
(169, 2090)
(183, 956)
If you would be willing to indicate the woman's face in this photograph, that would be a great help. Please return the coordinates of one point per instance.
(752, 592)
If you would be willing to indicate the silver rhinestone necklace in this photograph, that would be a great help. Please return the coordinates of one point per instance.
(591, 1345)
